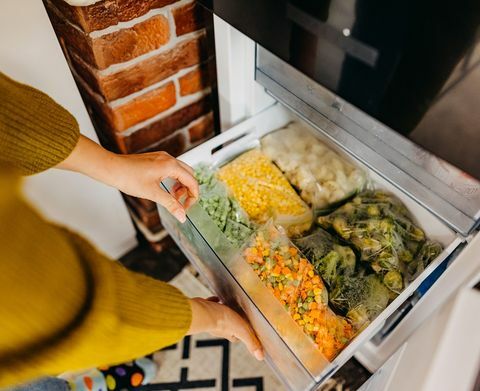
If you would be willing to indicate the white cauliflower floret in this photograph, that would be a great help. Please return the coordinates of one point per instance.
(322, 176)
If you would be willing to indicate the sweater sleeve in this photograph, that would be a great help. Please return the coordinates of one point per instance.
(36, 133)
(65, 306)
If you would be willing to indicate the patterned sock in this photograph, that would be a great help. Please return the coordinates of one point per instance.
(115, 378)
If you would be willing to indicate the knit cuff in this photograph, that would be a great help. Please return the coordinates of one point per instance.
(36, 133)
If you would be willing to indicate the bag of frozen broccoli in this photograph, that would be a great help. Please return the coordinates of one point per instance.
(329, 258)
(360, 299)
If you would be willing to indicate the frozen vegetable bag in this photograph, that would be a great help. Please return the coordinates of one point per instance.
(352, 292)
(295, 283)
(379, 226)
(263, 192)
(322, 177)
(224, 210)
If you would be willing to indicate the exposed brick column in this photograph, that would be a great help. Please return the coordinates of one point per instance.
(145, 74)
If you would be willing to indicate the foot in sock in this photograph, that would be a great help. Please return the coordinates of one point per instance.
(115, 378)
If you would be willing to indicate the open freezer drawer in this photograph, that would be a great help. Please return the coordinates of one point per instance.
(290, 352)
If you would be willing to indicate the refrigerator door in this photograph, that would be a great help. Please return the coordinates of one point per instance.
(289, 350)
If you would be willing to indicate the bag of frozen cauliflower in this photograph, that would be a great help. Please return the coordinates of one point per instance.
(322, 177)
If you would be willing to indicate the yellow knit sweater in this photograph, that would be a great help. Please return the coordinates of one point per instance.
(63, 305)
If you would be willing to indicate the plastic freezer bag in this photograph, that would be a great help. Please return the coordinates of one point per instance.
(329, 258)
(222, 208)
(379, 226)
(294, 282)
(322, 177)
(263, 192)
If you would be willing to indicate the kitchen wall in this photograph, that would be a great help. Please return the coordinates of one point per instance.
(146, 74)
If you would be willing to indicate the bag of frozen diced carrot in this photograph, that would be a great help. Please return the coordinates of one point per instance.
(295, 283)
(264, 193)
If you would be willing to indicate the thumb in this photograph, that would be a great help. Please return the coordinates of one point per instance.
(171, 204)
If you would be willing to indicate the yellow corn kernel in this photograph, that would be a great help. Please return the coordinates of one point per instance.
(296, 316)
(260, 187)
(317, 291)
(311, 273)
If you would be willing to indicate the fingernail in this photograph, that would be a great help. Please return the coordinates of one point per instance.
(180, 215)
(258, 354)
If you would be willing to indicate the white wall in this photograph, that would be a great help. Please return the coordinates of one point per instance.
(30, 53)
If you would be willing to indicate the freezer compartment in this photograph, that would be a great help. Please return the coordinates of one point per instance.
(236, 284)
(289, 350)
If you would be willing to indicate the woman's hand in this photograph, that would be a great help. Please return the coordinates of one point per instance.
(137, 175)
(221, 321)
(140, 176)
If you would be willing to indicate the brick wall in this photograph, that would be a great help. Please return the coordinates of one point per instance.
(144, 70)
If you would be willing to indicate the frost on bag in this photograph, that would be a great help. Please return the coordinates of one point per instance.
(222, 209)
(295, 283)
(263, 192)
(322, 177)
(379, 227)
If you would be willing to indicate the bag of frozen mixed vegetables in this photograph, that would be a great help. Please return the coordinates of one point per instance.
(295, 283)
(263, 192)
(380, 228)
(323, 178)
(222, 208)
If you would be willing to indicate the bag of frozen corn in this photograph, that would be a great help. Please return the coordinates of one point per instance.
(322, 177)
(295, 283)
(264, 193)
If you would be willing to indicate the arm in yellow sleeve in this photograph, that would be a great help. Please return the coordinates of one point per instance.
(35, 132)
(65, 306)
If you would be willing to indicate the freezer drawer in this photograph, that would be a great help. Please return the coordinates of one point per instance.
(290, 352)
